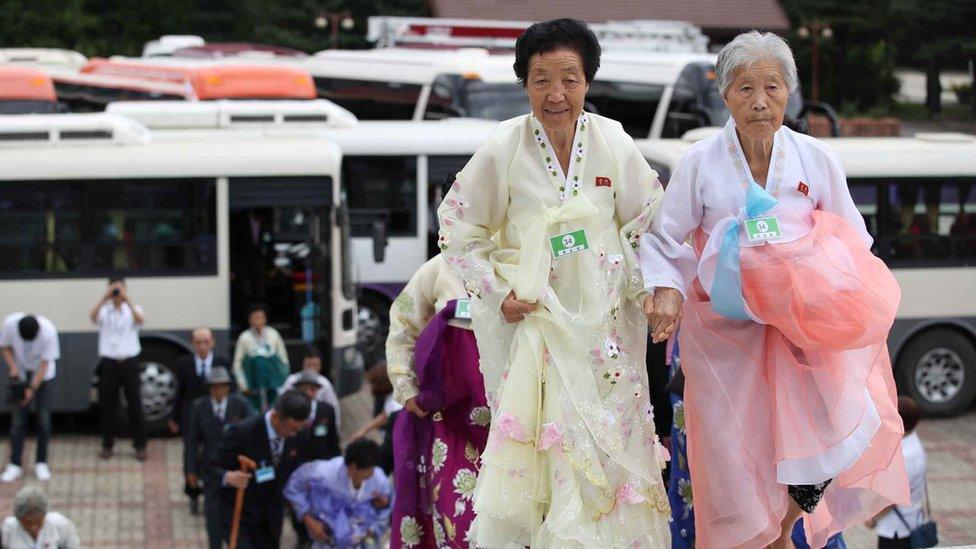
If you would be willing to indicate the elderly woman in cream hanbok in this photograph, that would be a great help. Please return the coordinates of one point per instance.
(789, 399)
(542, 225)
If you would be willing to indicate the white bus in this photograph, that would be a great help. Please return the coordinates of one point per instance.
(918, 200)
(392, 172)
(200, 230)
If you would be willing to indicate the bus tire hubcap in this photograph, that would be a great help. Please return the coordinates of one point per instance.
(158, 390)
(940, 375)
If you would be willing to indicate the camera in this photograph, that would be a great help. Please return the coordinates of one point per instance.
(115, 292)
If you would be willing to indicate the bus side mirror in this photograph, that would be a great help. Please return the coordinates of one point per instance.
(379, 241)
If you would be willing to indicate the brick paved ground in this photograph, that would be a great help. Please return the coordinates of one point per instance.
(126, 504)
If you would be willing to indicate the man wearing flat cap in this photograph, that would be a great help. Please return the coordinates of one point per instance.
(322, 428)
(209, 416)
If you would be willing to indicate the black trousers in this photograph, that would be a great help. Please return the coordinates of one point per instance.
(259, 528)
(894, 543)
(212, 513)
(114, 374)
(41, 403)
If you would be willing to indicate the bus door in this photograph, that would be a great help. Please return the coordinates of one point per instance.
(280, 250)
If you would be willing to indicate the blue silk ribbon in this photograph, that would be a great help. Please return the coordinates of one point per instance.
(726, 295)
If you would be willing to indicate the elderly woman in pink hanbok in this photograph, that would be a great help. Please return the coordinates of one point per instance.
(789, 398)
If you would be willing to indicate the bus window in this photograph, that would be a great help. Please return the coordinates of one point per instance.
(40, 228)
(91, 98)
(94, 228)
(382, 188)
(633, 104)
(927, 222)
(371, 100)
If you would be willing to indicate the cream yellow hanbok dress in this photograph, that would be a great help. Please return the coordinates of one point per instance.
(572, 457)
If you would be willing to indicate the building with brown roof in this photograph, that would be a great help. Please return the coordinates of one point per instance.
(720, 20)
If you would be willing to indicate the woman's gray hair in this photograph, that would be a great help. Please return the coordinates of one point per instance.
(30, 499)
(754, 47)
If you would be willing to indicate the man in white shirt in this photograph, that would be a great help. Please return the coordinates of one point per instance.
(30, 348)
(118, 321)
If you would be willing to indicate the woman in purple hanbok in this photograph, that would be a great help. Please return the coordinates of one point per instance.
(432, 359)
(344, 501)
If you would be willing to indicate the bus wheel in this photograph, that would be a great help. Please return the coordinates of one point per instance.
(373, 326)
(158, 391)
(938, 370)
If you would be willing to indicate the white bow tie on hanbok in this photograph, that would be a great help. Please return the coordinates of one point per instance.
(532, 273)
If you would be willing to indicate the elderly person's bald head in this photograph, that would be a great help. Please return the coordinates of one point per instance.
(203, 341)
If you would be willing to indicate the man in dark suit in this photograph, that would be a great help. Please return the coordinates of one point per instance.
(272, 441)
(321, 429)
(191, 383)
(203, 429)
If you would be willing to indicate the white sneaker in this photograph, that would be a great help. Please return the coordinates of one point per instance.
(42, 473)
(11, 473)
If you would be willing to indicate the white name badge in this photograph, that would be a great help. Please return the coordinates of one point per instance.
(321, 430)
(264, 474)
(762, 228)
(463, 309)
(569, 243)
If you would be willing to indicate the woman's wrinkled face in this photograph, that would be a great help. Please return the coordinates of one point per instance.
(32, 523)
(757, 99)
(557, 88)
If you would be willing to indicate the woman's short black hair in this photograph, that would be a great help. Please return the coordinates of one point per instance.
(363, 453)
(557, 34)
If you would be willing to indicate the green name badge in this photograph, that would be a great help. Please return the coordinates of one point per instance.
(463, 309)
(762, 228)
(569, 243)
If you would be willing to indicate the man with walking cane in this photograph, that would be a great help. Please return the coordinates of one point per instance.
(269, 441)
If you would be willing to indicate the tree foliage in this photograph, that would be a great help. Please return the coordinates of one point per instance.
(109, 27)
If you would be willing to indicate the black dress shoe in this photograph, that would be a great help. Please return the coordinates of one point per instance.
(194, 506)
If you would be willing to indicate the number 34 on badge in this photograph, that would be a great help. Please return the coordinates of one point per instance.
(568, 243)
(762, 228)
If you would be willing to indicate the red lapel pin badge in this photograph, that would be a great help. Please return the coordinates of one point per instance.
(803, 188)
(603, 181)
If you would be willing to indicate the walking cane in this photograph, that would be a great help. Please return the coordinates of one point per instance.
(247, 465)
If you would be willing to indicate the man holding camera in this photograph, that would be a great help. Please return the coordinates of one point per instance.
(118, 321)
(30, 348)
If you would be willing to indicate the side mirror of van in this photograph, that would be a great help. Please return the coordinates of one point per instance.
(379, 241)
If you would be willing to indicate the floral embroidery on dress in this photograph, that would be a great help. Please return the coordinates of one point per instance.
(684, 488)
(438, 455)
(404, 302)
(616, 260)
(550, 437)
(628, 494)
(679, 417)
(480, 416)
(439, 536)
(471, 453)
(648, 413)
(464, 483)
(410, 531)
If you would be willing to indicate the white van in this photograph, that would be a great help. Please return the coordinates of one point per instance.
(918, 198)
